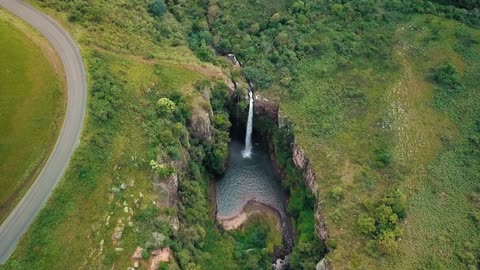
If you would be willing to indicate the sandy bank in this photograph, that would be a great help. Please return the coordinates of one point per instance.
(250, 210)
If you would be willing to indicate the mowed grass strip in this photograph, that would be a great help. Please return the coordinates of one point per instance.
(31, 108)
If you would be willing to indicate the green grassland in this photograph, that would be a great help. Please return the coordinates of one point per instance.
(427, 148)
(114, 150)
(364, 85)
(383, 98)
(31, 108)
(129, 69)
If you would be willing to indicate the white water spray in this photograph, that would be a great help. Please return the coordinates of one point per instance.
(247, 152)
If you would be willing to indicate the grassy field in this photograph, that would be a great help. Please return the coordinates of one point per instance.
(427, 147)
(110, 155)
(366, 105)
(126, 78)
(32, 103)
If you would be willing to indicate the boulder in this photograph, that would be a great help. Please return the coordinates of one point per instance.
(138, 253)
(322, 265)
(117, 233)
(158, 256)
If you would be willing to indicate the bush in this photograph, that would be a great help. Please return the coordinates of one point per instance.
(366, 224)
(163, 266)
(165, 106)
(386, 243)
(337, 193)
(446, 77)
(398, 202)
(331, 244)
(157, 8)
(385, 217)
(383, 157)
(163, 171)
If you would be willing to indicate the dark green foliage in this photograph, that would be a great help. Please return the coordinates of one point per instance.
(218, 151)
(163, 266)
(308, 250)
(157, 8)
(145, 254)
(106, 92)
(468, 4)
(224, 46)
(306, 254)
(250, 250)
(259, 77)
(446, 77)
(383, 157)
(398, 202)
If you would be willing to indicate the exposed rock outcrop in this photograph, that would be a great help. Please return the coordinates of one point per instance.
(323, 265)
(303, 163)
(158, 256)
(200, 124)
(266, 107)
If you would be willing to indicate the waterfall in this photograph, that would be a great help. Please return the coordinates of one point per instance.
(247, 152)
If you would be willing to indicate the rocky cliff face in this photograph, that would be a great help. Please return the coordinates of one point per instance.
(303, 163)
(266, 107)
(200, 124)
(271, 109)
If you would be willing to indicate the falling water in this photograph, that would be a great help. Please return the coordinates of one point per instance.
(247, 152)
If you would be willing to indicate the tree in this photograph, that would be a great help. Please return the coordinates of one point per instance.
(258, 76)
(224, 46)
(157, 8)
(298, 6)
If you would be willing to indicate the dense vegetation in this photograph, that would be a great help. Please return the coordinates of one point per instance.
(381, 95)
(357, 81)
(307, 249)
(31, 107)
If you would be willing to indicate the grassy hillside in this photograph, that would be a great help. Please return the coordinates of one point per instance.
(384, 102)
(31, 107)
(144, 87)
(399, 139)
(383, 97)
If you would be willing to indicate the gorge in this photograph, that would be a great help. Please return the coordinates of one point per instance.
(256, 182)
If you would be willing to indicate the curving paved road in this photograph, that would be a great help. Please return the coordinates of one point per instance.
(27, 209)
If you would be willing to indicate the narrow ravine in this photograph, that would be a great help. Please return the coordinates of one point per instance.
(251, 185)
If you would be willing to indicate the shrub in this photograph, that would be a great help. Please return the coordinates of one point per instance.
(163, 266)
(386, 243)
(162, 170)
(366, 224)
(446, 77)
(337, 193)
(145, 254)
(385, 217)
(398, 202)
(166, 106)
(383, 157)
(331, 244)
